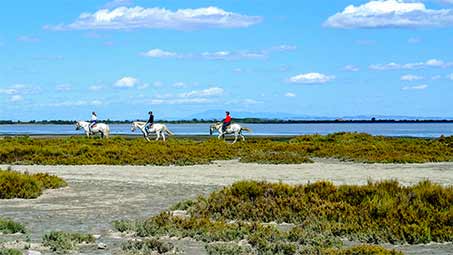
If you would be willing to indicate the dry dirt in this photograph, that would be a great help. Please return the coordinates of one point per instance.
(98, 195)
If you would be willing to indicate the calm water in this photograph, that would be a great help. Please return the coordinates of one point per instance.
(387, 129)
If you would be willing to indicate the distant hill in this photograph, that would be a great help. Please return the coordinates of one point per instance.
(219, 114)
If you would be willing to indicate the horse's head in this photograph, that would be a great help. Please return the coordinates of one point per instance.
(77, 125)
(213, 128)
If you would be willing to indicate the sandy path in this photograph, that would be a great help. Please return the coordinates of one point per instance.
(97, 195)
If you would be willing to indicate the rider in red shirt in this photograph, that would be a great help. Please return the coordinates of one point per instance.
(226, 121)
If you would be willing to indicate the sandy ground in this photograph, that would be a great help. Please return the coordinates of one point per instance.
(97, 195)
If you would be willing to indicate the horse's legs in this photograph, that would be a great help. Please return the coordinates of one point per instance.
(102, 134)
(220, 136)
(158, 136)
(235, 137)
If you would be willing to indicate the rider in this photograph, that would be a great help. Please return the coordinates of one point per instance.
(150, 122)
(226, 121)
(93, 120)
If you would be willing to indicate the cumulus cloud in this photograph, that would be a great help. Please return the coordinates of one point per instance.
(311, 78)
(158, 53)
(351, 68)
(434, 63)
(417, 87)
(126, 82)
(390, 13)
(290, 94)
(95, 87)
(411, 77)
(450, 76)
(159, 18)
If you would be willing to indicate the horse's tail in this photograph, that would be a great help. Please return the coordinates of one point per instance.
(107, 131)
(168, 131)
(246, 129)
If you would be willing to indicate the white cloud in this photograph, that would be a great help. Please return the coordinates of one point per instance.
(450, 76)
(436, 77)
(159, 18)
(192, 97)
(158, 53)
(351, 68)
(311, 78)
(16, 98)
(76, 103)
(220, 55)
(19, 89)
(411, 77)
(95, 87)
(390, 13)
(126, 82)
(63, 87)
(418, 87)
(414, 40)
(214, 91)
(290, 94)
(433, 63)
(28, 39)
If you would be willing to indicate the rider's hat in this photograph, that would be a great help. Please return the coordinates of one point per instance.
(227, 112)
(150, 112)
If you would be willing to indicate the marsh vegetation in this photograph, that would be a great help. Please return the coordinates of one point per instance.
(121, 151)
(274, 218)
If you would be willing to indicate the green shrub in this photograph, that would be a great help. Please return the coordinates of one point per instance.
(362, 250)
(10, 227)
(23, 185)
(377, 212)
(147, 246)
(63, 241)
(227, 249)
(10, 252)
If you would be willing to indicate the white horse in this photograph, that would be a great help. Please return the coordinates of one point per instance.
(159, 129)
(101, 128)
(235, 129)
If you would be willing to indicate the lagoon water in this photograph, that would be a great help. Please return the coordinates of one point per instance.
(386, 129)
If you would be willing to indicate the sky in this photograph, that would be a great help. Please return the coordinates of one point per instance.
(64, 59)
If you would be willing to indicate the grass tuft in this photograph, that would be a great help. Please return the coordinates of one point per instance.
(11, 227)
(59, 241)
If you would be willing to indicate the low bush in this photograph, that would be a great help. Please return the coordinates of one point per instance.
(378, 212)
(147, 246)
(23, 185)
(11, 227)
(59, 241)
(10, 252)
(221, 248)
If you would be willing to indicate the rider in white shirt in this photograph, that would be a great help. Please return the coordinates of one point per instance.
(94, 119)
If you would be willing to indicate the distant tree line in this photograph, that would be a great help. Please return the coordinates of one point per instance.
(241, 120)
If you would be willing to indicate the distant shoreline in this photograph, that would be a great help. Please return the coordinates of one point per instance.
(242, 120)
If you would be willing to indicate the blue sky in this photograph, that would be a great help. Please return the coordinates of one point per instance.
(64, 59)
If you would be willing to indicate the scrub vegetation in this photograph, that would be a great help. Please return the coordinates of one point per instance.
(251, 217)
(122, 151)
(8, 226)
(59, 241)
(23, 185)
